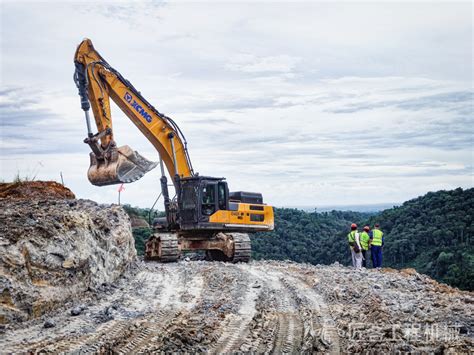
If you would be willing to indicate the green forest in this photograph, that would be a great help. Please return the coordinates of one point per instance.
(141, 234)
(432, 233)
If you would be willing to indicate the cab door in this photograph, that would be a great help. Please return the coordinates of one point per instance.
(222, 195)
(189, 203)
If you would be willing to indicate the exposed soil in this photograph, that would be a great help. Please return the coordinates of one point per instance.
(44, 190)
(261, 307)
(52, 251)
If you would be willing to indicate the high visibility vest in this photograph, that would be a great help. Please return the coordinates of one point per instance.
(364, 240)
(351, 237)
(377, 237)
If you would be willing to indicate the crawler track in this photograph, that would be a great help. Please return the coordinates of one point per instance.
(162, 247)
(242, 247)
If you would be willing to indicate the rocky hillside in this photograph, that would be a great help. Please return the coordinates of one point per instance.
(53, 248)
(261, 307)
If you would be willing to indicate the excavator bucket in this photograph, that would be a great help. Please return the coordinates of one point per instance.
(122, 165)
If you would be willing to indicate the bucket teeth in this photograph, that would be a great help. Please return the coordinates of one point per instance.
(124, 165)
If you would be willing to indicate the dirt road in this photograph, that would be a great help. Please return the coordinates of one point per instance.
(264, 307)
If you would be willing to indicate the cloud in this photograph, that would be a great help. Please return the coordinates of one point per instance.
(29, 126)
(453, 101)
(309, 103)
(249, 63)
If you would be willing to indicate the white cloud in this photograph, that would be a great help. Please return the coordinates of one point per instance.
(249, 63)
(309, 103)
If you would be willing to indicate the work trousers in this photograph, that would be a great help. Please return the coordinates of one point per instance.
(356, 259)
(376, 252)
(364, 260)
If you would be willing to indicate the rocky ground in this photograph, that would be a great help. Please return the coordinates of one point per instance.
(53, 249)
(272, 307)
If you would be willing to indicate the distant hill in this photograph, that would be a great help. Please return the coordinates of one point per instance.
(434, 234)
(375, 207)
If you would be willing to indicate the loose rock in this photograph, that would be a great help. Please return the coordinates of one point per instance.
(52, 251)
(50, 323)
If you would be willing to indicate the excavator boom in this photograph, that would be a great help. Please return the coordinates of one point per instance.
(98, 82)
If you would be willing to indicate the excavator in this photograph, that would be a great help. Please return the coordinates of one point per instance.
(203, 214)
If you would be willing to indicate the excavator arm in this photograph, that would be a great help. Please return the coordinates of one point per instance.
(98, 82)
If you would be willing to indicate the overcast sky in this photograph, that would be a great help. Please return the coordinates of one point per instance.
(326, 103)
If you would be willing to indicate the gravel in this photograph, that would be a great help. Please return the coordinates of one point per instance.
(261, 307)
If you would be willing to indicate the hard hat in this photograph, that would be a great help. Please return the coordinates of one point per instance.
(353, 225)
(366, 228)
(377, 225)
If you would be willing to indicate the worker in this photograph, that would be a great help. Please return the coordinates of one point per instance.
(354, 243)
(376, 246)
(365, 244)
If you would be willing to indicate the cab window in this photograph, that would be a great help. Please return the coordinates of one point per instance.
(221, 192)
(208, 199)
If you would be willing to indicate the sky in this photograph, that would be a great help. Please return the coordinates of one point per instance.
(309, 103)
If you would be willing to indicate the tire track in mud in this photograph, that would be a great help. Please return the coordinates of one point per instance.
(289, 333)
(197, 307)
(165, 308)
(289, 325)
(236, 326)
(151, 289)
(276, 326)
(299, 319)
(320, 332)
(144, 336)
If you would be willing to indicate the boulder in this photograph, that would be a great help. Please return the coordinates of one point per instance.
(53, 250)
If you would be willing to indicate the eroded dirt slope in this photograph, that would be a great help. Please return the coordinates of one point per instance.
(53, 250)
(274, 307)
(35, 190)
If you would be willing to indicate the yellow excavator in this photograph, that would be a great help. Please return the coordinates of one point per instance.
(204, 214)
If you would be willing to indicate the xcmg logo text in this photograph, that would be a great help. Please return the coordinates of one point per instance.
(137, 107)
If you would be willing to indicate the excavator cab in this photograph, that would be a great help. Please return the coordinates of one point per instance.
(205, 203)
(201, 197)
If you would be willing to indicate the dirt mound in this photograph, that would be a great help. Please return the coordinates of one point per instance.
(44, 190)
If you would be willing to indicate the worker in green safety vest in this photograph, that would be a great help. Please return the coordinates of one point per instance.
(365, 244)
(353, 239)
(376, 246)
